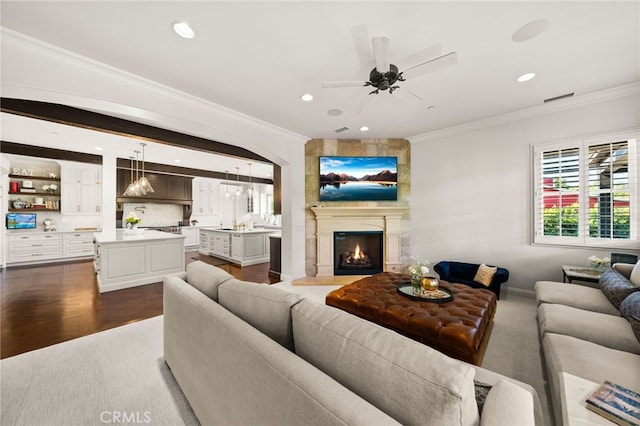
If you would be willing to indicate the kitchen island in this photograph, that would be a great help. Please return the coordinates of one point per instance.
(123, 260)
(244, 247)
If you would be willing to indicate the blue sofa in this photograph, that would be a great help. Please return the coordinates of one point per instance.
(460, 272)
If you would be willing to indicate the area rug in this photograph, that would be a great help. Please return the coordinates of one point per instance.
(116, 376)
(328, 280)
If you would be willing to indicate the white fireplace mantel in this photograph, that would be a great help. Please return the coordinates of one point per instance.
(343, 219)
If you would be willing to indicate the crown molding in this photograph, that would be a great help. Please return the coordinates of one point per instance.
(631, 89)
(114, 73)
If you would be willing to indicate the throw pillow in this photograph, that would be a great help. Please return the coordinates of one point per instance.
(630, 309)
(485, 274)
(482, 390)
(635, 275)
(616, 287)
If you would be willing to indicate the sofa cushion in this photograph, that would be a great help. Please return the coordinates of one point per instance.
(406, 379)
(485, 274)
(611, 331)
(206, 278)
(588, 360)
(630, 309)
(616, 287)
(266, 308)
(578, 296)
(634, 278)
(518, 410)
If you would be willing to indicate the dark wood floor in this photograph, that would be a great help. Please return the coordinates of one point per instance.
(48, 304)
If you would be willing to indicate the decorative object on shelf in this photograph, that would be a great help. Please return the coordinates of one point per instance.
(599, 264)
(194, 222)
(417, 269)
(51, 188)
(49, 225)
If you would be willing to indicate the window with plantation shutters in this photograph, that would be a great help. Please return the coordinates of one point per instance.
(586, 192)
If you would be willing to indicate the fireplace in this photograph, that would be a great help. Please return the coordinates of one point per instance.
(357, 253)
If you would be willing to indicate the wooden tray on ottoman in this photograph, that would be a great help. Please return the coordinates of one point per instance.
(460, 328)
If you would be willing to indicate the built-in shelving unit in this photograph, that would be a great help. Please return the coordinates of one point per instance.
(50, 199)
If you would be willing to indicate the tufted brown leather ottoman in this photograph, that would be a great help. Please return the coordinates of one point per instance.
(459, 328)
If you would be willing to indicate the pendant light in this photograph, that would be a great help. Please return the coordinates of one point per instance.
(238, 188)
(145, 186)
(138, 187)
(226, 194)
(130, 191)
(250, 190)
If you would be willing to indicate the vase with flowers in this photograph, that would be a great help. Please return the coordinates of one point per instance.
(132, 222)
(599, 264)
(417, 269)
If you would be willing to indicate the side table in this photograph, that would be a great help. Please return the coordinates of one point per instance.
(581, 273)
(575, 390)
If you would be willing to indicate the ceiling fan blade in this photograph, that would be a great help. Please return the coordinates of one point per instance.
(360, 36)
(431, 65)
(381, 53)
(419, 57)
(407, 96)
(363, 104)
(335, 84)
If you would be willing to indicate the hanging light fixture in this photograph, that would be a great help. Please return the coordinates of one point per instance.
(238, 188)
(131, 190)
(139, 189)
(145, 186)
(250, 190)
(226, 194)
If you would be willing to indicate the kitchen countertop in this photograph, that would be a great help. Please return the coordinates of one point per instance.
(120, 236)
(238, 231)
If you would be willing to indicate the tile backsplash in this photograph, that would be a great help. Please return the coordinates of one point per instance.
(154, 214)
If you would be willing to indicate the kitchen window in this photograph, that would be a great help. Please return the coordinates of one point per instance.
(586, 192)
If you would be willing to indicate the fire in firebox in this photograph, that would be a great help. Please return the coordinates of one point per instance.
(355, 259)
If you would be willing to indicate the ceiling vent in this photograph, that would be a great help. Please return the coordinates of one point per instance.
(341, 129)
(557, 98)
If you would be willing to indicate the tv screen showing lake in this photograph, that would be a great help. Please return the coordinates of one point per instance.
(359, 191)
(358, 178)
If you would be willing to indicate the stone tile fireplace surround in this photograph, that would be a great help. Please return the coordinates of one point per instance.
(359, 219)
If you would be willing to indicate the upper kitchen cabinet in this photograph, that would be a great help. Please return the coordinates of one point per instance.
(81, 188)
(205, 196)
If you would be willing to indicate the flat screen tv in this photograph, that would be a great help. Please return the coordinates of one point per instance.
(358, 178)
(21, 220)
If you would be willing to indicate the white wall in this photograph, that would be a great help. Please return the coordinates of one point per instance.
(471, 199)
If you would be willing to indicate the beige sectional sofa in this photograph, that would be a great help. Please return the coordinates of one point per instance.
(246, 353)
(591, 333)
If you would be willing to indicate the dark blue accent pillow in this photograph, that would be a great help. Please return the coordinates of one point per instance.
(630, 309)
(616, 287)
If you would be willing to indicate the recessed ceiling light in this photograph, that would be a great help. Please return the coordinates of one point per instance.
(306, 97)
(526, 77)
(334, 112)
(99, 148)
(431, 107)
(176, 161)
(530, 30)
(183, 29)
(364, 129)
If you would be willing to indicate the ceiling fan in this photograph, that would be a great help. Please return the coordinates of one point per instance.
(385, 75)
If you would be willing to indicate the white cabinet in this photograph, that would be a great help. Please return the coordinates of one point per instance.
(242, 247)
(33, 247)
(191, 234)
(78, 244)
(81, 189)
(205, 197)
